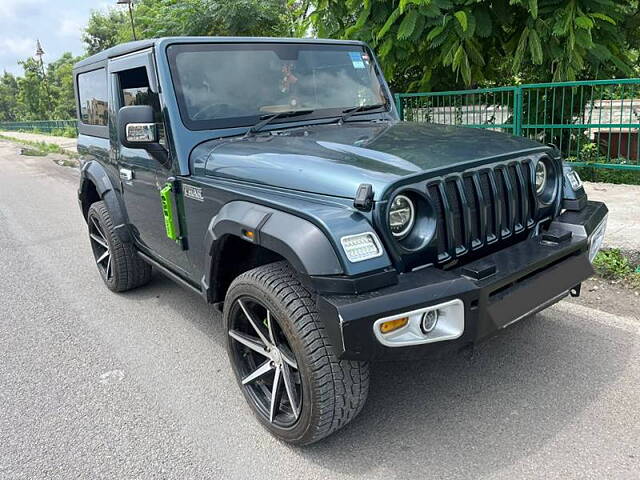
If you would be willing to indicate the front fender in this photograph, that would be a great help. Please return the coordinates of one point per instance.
(297, 240)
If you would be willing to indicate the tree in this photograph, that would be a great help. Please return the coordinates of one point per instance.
(212, 17)
(161, 18)
(444, 44)
(8, 98)
(33, 98)
(60, 79)
(105, 29)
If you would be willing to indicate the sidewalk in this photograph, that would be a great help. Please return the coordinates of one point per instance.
(69, 144)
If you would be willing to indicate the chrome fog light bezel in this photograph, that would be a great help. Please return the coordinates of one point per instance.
(449, 326)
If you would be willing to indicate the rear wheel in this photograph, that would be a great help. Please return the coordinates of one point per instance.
(120, 267)
(284, 362)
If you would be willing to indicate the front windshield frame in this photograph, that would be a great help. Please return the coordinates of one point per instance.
(173, 50)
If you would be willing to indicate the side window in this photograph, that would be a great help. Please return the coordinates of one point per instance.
(135, 90)
(92, 93)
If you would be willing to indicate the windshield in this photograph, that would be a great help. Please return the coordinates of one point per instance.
(229, 85)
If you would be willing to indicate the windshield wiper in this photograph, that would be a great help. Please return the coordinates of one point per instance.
(265, 119)
(362, 108)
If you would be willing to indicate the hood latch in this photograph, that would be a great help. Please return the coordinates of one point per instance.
(364, 198)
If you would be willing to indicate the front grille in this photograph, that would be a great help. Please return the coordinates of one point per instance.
(482, 207)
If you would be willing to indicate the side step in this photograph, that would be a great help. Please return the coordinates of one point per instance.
(176, 278)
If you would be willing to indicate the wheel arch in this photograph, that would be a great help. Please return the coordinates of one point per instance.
(262, 235)
(95, 185)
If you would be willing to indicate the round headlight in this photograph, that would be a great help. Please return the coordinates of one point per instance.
(402, 215)
(541, 177)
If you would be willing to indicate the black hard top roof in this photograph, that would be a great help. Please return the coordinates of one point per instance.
(129, 47)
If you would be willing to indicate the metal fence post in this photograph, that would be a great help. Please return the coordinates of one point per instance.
(399, 106)
(517, 111)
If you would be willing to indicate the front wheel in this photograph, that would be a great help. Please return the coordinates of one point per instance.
(284, 362)
(120, 267)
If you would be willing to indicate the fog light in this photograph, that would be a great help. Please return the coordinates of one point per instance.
(435, 323)
(391, 325)
(429, 321)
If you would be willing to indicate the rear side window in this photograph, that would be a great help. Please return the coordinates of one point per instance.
(92, 93)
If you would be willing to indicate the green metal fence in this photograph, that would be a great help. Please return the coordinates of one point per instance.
(40, 126)
(593, 122)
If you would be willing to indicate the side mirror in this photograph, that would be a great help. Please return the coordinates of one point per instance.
(137, 128)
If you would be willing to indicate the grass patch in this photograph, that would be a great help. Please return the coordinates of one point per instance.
(43, 148)
(32, 152)
(612, 264)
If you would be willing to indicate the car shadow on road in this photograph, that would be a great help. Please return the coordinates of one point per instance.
(460, 416)
(469, 417)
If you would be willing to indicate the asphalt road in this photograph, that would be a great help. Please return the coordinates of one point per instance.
(98, 385)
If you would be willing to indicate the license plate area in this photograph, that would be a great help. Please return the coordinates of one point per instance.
(536, 291)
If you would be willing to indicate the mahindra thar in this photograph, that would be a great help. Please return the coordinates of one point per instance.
(274, 178)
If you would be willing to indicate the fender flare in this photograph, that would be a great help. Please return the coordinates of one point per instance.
(93, 172)
(300, 242)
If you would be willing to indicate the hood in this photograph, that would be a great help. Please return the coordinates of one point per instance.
(334, 159)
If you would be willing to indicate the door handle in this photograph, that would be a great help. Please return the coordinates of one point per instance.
(126, 174)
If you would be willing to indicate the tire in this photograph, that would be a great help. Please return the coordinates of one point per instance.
(326, 392)
(120, 267)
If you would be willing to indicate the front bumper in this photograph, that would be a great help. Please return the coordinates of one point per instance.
(526, 278)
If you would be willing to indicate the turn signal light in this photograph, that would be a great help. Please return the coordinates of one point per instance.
(391, 325)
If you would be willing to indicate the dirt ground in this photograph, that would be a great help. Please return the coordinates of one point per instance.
(608, 296)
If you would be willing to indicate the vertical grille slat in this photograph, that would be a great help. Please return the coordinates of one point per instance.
(476, 211)
(525, 216)
(441, 227)
(498, 203)
(455, 212)
(465, 214)
(489, 207)
(481, 207)
(509, 200)
(531, 194)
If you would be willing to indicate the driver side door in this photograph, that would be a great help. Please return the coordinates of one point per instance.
(142, 175)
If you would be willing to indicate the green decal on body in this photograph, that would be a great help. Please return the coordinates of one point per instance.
(167, 211)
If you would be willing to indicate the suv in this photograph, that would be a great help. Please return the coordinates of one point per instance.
(274, 178)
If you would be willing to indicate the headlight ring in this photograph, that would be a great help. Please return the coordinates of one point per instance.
(541, 177)
(402, 216)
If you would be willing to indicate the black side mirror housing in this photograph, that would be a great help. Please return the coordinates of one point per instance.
(137, 129)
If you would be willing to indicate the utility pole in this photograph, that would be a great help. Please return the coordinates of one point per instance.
(39, 54)
(129, 3)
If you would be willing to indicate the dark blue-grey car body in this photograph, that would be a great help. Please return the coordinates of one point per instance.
(481, 235)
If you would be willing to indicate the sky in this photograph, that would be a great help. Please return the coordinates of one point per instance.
(57, 23)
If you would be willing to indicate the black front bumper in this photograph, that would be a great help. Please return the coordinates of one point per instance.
(496, 290)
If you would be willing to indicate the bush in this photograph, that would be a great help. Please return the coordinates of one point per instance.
(612, 264)
(609, 175)
(68, 132)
